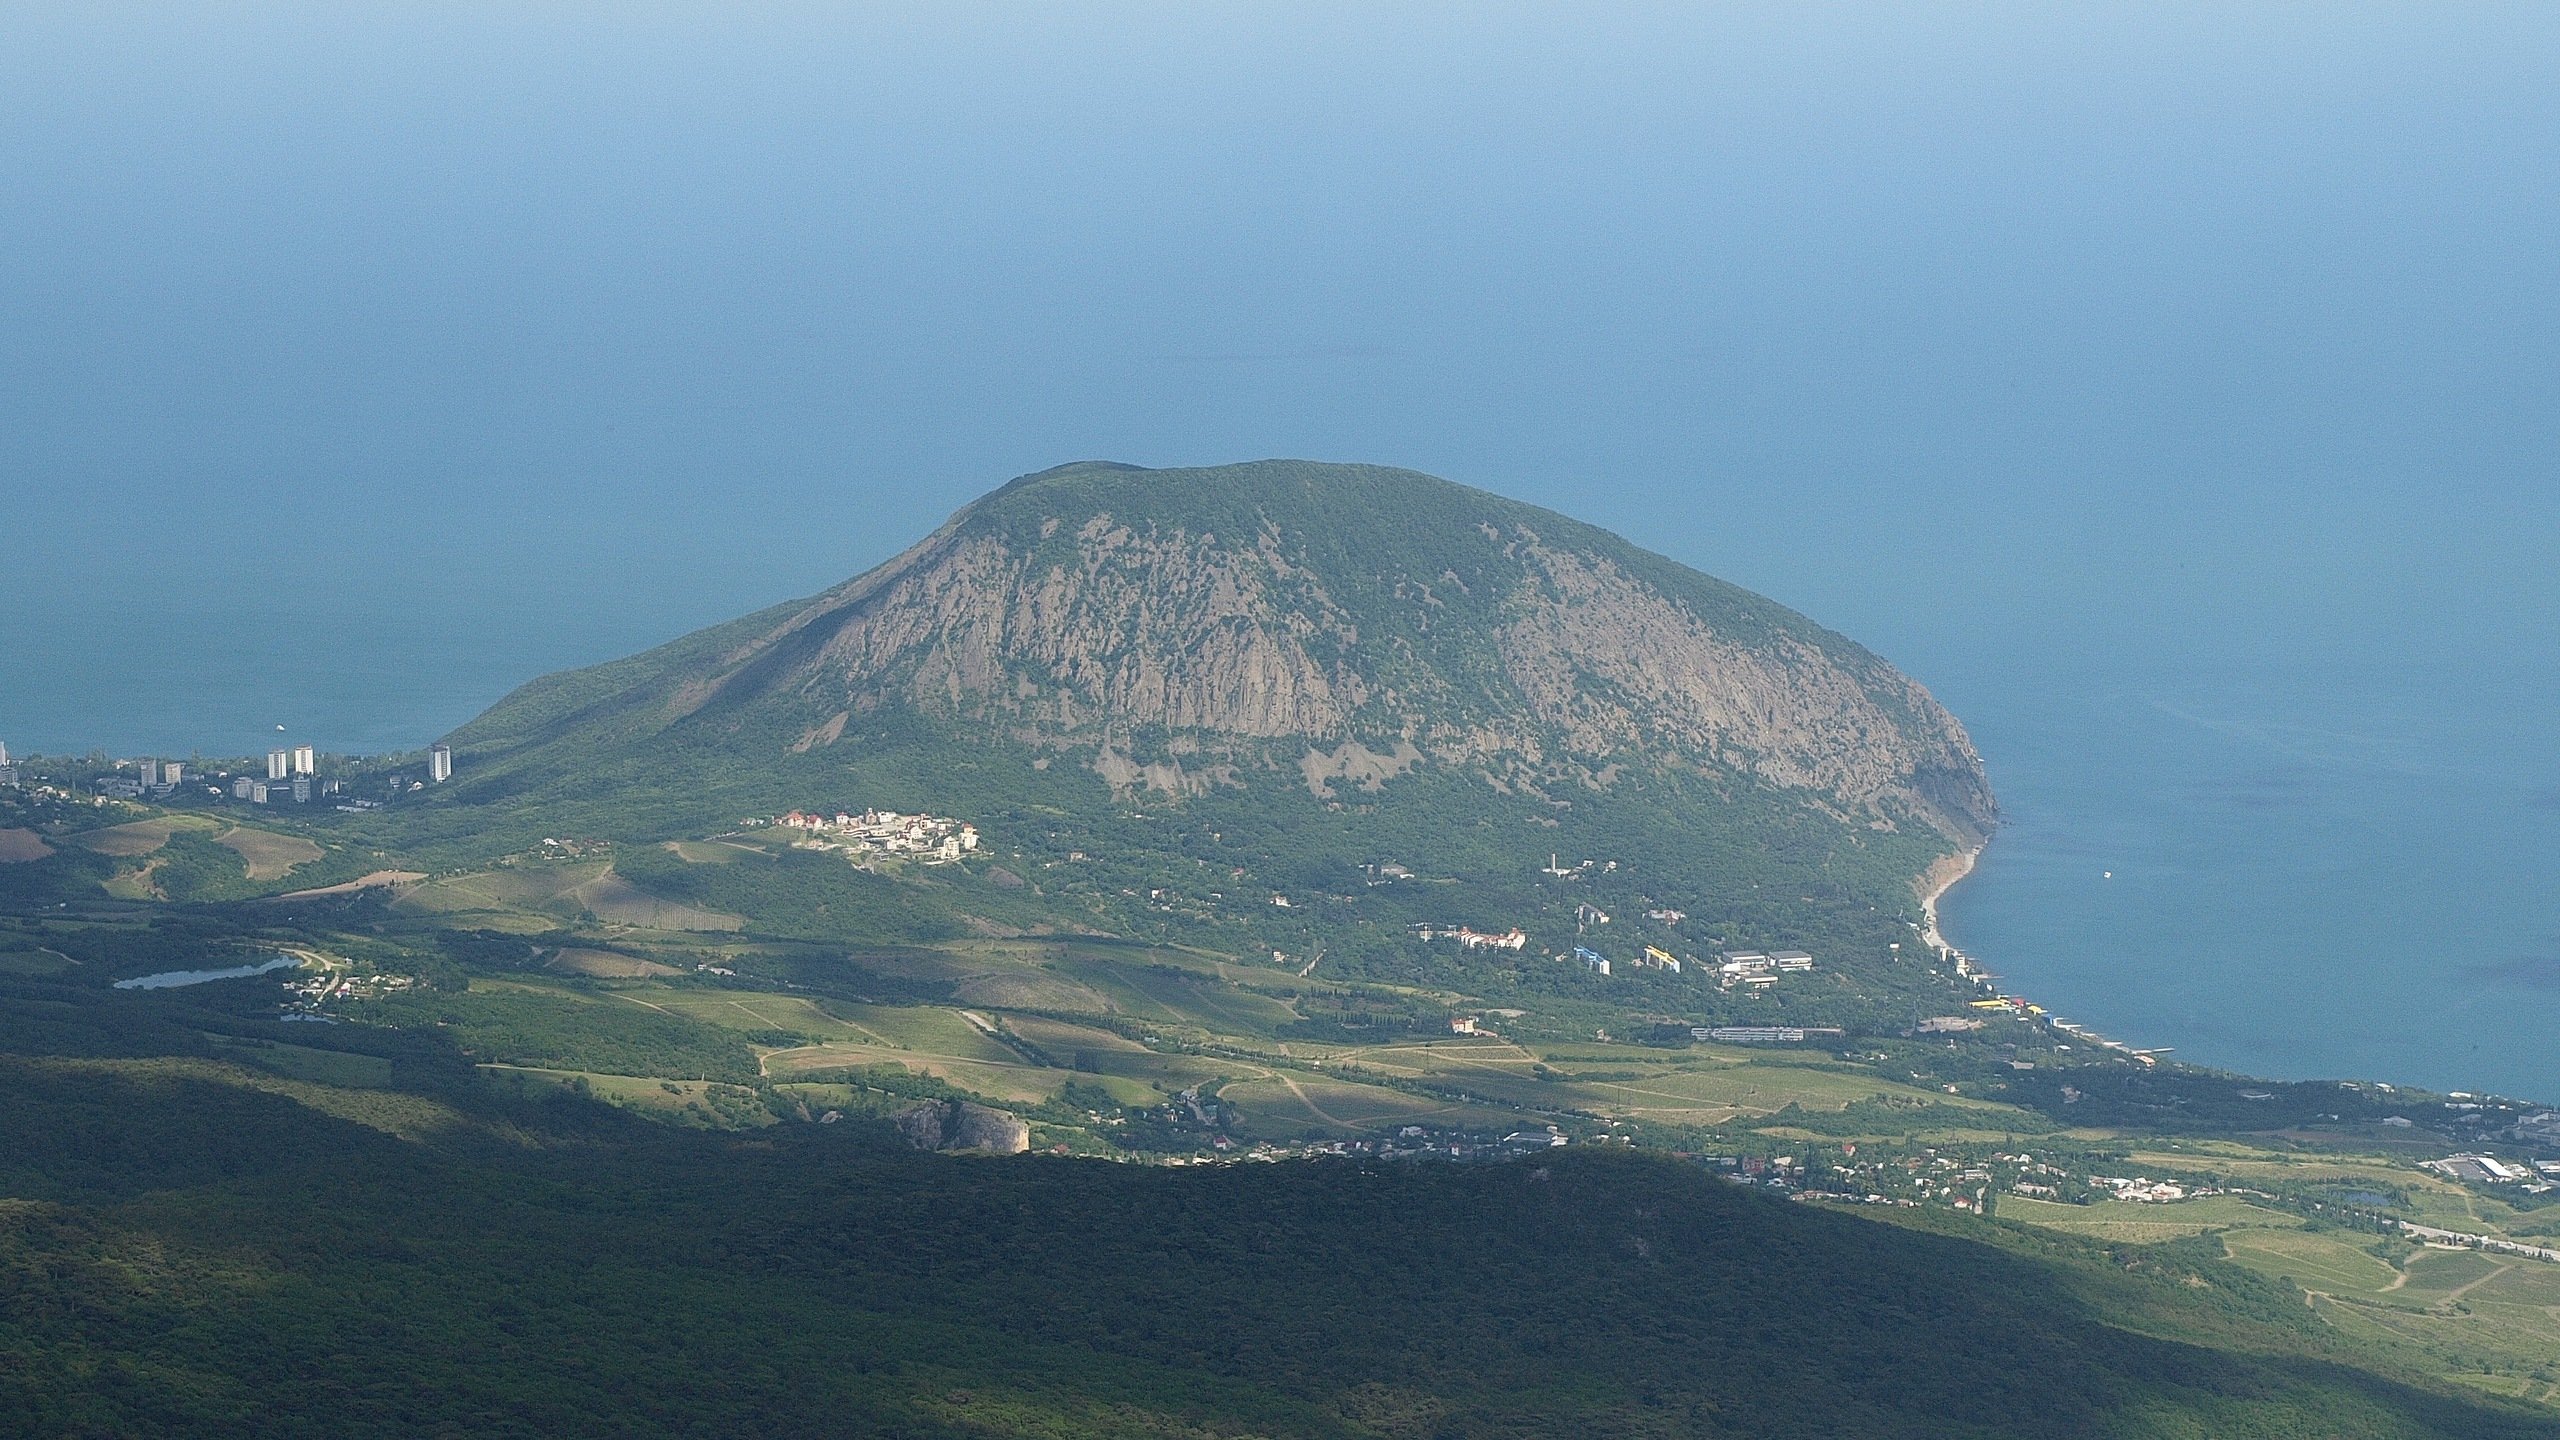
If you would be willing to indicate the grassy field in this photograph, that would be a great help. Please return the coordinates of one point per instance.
(550, 894)
(1063, 1038)
(1013, 1082)
(1208, 1002)
(929, 1040)
(267, 855)
(2489, 1321)
(682, 1102)
(322, 1067)
(2326, 1263)
(2435, 1276)
(533, 892)
(757, 1010)
(616, 901)
(2119, 1220)
(19, 846)
(1760, 1088)
(607, 964)
(1697, 1087)
(34, 962)
(138, 838)
(1284, 1104)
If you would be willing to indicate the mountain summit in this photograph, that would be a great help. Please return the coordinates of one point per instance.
(1327, 626)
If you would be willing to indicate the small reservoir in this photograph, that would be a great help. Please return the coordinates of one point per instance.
(172, 979)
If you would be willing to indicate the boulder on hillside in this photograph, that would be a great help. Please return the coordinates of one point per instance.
(959, 1125)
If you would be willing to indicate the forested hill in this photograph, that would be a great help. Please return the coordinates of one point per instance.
(198, 1249)
(1270, 640)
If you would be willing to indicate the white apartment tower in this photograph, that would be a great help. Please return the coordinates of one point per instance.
(277, 761)
(303, 760)
(440, 763)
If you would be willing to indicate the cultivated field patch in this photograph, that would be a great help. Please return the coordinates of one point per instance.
(2312, 1261)
(267, 855)
(2435, 1275)
(1017, 1081)
(607, 964)
(326, 1067)
(2119, 1220)
(617, 901)
(129, 841)
(379, 879)
(762, 1010)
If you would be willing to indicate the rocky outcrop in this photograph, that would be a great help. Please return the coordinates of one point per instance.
(1330, 627)
(959, 1125)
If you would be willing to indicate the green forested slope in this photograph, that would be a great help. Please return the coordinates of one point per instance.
(194, 1251)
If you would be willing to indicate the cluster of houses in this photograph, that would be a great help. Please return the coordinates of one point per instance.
(1735, 967)
(313, 991)
(1419, 1142)
(1927, 1179)
(1751, 968)
(2144, 1190)
(1512, 939)
(1757, 970)
(883, 832)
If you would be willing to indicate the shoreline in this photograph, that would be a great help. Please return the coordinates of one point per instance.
(1933, 885)
(1941, 877)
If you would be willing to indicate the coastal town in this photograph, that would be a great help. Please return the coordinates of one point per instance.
(286, 775)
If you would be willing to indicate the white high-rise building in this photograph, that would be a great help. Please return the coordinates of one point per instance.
(277, 761)
(4, 752)
(440, 763)
(150, 772)
(172, 771)
(303, 760)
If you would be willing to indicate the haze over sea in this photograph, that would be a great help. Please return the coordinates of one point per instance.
(2173, 390)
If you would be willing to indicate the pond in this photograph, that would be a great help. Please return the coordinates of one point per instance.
(172, 979)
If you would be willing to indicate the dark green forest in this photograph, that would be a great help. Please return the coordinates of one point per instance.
(190, 1252)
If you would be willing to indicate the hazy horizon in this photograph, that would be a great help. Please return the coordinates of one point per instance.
(1985, 336)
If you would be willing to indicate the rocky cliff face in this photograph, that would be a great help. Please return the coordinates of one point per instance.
(1339, 626)
(1331, 627)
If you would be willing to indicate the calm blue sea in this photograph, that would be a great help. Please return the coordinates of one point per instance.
(2301, 873)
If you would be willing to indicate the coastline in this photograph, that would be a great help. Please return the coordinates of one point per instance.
(1934, 883)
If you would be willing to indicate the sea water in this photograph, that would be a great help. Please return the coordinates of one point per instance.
(2298, 872)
